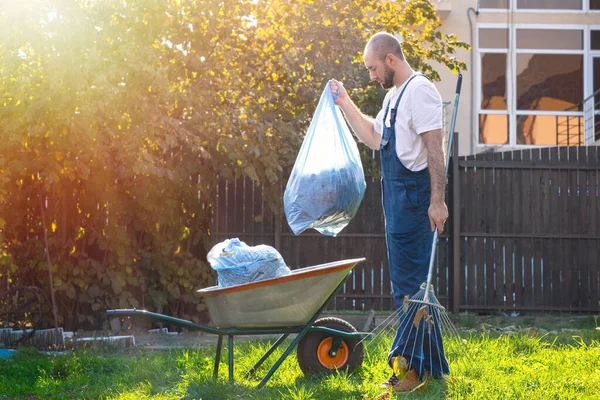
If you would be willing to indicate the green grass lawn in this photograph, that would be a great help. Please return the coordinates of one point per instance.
(484, 366)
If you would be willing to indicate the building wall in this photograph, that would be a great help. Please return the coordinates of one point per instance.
(455, 20)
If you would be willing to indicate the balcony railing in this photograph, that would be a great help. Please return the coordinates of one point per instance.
(582, 128)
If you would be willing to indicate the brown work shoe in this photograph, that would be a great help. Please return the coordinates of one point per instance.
(399, 366)
(390, 382)
(410, 383)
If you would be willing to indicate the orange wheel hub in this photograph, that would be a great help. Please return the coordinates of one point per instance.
(338, 361)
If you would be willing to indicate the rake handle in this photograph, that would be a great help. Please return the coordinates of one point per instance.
(450, 139)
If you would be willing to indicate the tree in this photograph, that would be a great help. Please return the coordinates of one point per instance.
(122, 116)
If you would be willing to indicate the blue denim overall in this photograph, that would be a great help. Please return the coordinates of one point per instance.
(406, 198)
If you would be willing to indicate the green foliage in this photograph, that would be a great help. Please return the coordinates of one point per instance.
(121, 116)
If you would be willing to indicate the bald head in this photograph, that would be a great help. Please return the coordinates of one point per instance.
(381, 44)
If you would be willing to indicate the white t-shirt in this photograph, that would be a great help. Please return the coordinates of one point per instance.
(419, 111)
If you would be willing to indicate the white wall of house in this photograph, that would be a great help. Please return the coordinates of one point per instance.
(526, 35)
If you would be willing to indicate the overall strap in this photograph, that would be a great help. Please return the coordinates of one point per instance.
(385, 139)
(395, 109)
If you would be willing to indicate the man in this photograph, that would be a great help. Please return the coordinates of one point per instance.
(407, 131)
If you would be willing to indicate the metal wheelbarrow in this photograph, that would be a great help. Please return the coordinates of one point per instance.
(285, 305)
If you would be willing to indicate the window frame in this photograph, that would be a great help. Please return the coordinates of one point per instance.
(512, 52)
(589, 89)
(512, 7)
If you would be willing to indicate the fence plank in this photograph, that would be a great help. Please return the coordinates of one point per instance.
(577, 205)
(509, 271)
(522, 262)
(368, 273)
(566, 272)
(490, 200)
(581, 288)
(388, 303)
(507, 195)
(535, 227)
(518, 214)
(488, 259)
(479, 271)
(595, 211)
(556, 269)
(221, 219)
(442, 270)
(594, 274)
(546, 265)
(517, 195)
(551, 190)
(340, 249)
(498, 187)
(248, 201)
(527, 228)
(456, 221)
(537, 278)
(587, 187)
(489, 205)
(471, 271)
(470, 200)
(499, 271)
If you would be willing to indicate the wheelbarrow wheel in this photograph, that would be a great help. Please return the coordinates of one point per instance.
(314, 356)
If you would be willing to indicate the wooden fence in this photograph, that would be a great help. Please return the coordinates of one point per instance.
(529, 232)
(527, 237)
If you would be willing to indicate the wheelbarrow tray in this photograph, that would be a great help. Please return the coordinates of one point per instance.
(290, 300)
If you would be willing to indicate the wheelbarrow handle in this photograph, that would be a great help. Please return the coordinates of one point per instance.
(148, 315)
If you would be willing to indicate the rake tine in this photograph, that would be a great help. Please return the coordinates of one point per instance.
(439, 343)
(408, 322)
(372, 338)
(388, 321)
(402, 316)
(448, 326)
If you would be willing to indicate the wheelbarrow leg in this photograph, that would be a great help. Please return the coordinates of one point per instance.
(306, 328)
(286, 353)
(218, 356)
(230, 348)
(266, 355)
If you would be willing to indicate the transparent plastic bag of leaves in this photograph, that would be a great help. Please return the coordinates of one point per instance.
(237, 263)
(327, 182)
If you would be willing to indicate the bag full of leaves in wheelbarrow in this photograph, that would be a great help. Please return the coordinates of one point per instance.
(237, 263)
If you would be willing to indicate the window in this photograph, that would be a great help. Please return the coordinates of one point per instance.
(593, 126)
(531, 85)
(595, 39)
(493, 120)
(551, 39)
(493, 115)
(549, 4)
(493, 81)
(592, 116)
(543, 5)
(493, 38)
(502, 4)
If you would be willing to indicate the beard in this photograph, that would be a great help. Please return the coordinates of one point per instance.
(388, 78)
